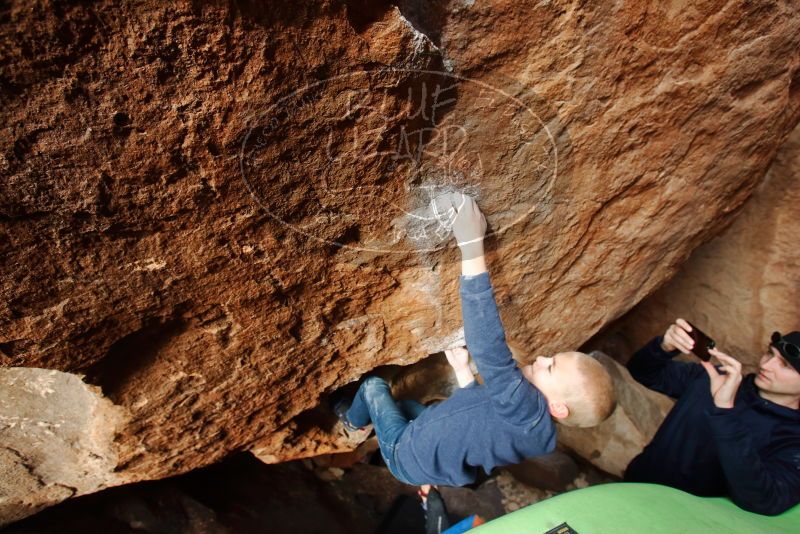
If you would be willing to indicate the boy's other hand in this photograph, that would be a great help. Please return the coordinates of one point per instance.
(677, 337)
(458, 358)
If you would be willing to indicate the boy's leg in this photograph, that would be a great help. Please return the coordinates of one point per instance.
(411, 408)
(374, 402)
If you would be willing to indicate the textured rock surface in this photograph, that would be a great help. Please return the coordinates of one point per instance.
(741, 286)
(605, 143)
(56, 440)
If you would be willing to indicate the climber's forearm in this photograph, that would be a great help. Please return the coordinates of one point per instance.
(473, 262)
(464, 376)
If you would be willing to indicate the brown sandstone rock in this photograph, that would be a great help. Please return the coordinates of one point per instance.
(216, 271)
(56, 440)
(554, 471)
(741, 286)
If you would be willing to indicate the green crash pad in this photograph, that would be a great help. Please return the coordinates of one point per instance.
(639, 508)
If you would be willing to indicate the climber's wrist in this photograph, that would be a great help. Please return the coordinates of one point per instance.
(464, 376)
(471, 248)
(473, 260)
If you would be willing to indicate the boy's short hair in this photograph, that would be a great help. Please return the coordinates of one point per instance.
(591, 397)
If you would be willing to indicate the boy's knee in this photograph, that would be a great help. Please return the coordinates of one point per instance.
(374, 383)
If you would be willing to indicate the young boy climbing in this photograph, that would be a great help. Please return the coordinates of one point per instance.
(507, 418)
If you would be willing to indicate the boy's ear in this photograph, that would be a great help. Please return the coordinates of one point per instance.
(558, 410)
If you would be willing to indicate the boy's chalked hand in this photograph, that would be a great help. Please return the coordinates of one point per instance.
(444, 212)
(469, 226)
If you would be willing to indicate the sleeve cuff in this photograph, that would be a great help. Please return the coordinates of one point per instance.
(716, 411)
(477, 283)
(656, 348)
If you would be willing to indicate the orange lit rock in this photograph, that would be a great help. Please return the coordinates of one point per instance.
(741, 286)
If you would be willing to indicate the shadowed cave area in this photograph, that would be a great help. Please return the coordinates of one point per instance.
(242, 494)
(350, 492)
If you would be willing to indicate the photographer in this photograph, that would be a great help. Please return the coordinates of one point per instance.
(727, 434)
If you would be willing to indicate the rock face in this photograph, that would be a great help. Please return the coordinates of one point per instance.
(56, 439)
(220, 211)
(741, 286)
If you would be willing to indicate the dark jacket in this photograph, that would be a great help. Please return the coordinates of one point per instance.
(750, 452)
(484, 426)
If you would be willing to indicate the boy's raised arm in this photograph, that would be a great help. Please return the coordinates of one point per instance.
(513, 397)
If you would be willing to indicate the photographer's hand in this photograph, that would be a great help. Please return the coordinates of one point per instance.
(724, 386)
(677, 337)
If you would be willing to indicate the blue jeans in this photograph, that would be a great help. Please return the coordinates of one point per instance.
(374, 403)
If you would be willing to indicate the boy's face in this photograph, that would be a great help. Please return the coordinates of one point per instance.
(552, 375)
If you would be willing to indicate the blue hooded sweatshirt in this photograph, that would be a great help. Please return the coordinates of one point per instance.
(501, 422)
